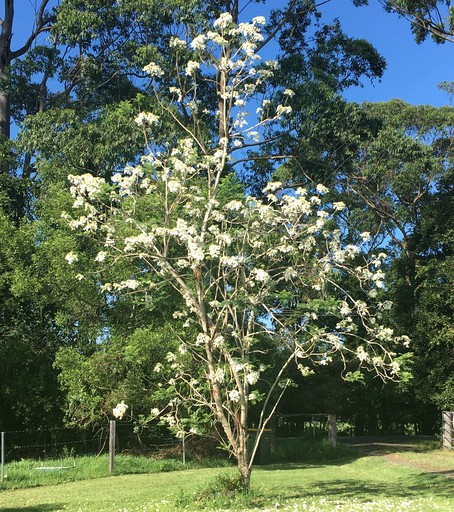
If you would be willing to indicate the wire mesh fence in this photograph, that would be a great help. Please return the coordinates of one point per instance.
(42, 447)
(44, 443)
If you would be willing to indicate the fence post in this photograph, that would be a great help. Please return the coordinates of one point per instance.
(448, 429)
(112, 447)
(2, 449)
(184, 447)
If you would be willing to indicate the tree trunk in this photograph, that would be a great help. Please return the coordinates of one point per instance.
(5, 62)
(243, 466)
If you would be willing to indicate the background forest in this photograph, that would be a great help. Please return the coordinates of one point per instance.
(69, 95)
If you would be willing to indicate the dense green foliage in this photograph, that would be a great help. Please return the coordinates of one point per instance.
(66, 350)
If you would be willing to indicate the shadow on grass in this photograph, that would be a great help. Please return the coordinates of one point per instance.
(46, 507)
(305, 453)
(380, 445)
(424, 485)
(305, 461)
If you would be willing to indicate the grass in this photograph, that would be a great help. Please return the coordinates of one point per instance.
(353, 483)
(33, 473)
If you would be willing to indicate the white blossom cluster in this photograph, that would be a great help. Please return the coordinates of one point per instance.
(120, 410)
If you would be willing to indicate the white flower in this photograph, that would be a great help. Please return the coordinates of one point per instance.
(289, 93)
(234, 395)
(321, 189)
(86, 184)
(202, 339)
(272, 186)
(385, 333)
(395, 368)
(175, 42)
(195, 252)
(170, 357)
(259, 20)
(405, 341)
(234, 205)
(217, 375)
(252, 377)
(146, 119)
(361, 354)
(226, 238)
(133, 284)
(237, 366)
(224, 20)
(199, 42)
(365, 235)
(339, 206)
(344, 309)
(153, 69)
(101, 256)
(119, 410)
(283, 109)
(174, 186)
(305, 370)
(214, 250)
(290, 273)
(71, 257)
(191, 66)
(260, 275)
(218, 342)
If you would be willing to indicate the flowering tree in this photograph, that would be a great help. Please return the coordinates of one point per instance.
(240, 263)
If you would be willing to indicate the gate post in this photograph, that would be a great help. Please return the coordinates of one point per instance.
(112, 447)
(448, 429)
(2, 456)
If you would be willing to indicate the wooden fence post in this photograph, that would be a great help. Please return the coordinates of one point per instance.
(2, 449)
(112, 447)
(448, 429)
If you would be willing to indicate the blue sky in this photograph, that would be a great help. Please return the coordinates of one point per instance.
(413, 71)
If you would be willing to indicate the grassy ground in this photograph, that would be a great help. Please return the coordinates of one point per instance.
(33, 473)
(356, 483)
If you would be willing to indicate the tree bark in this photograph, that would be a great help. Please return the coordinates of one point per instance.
(7, 55)
(5, 61)
(243, 462)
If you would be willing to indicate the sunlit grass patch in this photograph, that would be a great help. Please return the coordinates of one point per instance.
(32, 473)
(366, 484)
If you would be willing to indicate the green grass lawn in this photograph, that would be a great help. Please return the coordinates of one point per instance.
(33, 473)
(354, 484)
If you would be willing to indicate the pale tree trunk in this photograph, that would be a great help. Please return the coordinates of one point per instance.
(243, 462)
